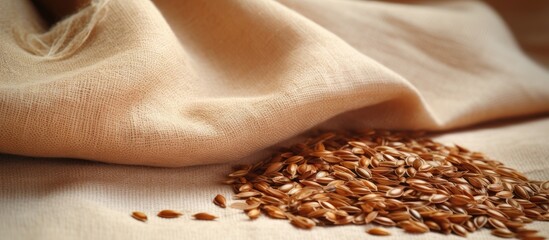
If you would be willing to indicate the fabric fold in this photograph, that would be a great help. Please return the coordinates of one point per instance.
(176, 83)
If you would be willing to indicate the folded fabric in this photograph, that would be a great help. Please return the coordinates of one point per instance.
(175, 83)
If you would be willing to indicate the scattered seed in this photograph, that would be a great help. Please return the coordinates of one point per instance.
(247, 194)
(169, 214)
(254, 213)
(219, 200)
(504, 194)
(394, 193)
(521, 192)
(503, 233)
(244, 206)
(495, 187)
(438, 198)
(204, 216)
(459, 230)
(384, 221)
(391, 179)
(302, 222)
(274, 167)
(140, 216)
(480, 221)
(379, 231)
(496, 223)
(239, 173)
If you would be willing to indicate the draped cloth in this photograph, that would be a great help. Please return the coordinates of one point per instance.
(178, 83)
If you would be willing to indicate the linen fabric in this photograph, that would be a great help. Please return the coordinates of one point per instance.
(71, 199)
(178, 83)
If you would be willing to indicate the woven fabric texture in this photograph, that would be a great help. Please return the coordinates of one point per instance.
(173, 83)
(178, 83)
(69, 199)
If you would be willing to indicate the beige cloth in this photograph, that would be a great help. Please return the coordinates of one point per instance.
(178, 83)
(70, 199)
(175, 83)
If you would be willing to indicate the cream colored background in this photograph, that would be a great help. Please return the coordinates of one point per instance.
(179, 83)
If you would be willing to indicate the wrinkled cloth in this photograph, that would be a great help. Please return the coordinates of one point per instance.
(70, 199)
(178, 83)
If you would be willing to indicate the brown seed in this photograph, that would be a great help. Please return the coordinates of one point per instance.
(292, 169)
(459, 218)
(318, 213)
(399, 216)
(433, 226)
(521, 232)
(294, 159)
(539, 199)
(411, 172)
(140, 216)
(302, 222)
(495, 187)
(394, 193)
(392, 179)
(438, 198)
(343, 176)
(460, 200)
(244, 206)
(545, 185)
(204, 216)
(382, 170)
(358, 144)
(370, 217)
(350, 209)
(364, 172)
(239, 173)
(372, 186)
(514, 224)
(379, 231)
(414, 227)
(254, 213)
(274, 167)
(331, 159)
(532, 237)
(286, 187)
(504, 194)
(169, 214)
(496, 214)
(327, 205)
(470, 226)
(532, 213)
(496, 223)
(248, 194)
(276, 193)
(239, 205)
(275, 212)
(459, 230)
(521, 192)
(272, 200)
(480, 221)
(503, 233)
(415, 215)
(384, 221)
(440, 215)
(220, 200)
